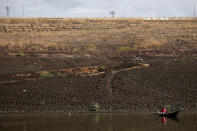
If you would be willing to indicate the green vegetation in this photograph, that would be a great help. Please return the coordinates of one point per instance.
(46, 75)
(135, 47)
(89, 47)
(102, 67)
(127, 48)
(124, 48)
(96, 107)
(168, 107)
(20, 53)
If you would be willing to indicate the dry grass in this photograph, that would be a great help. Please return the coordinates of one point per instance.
(148, 43)
(73, 36)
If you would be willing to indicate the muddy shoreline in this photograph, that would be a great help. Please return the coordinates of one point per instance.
(167, 81)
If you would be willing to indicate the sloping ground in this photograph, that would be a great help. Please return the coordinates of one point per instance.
(28, 46)
(164, 82)
(97, 37)
(78, 71)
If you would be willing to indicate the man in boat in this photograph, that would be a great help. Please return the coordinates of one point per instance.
(164, 110)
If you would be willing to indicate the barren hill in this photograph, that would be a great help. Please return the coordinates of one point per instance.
(106, 37)
(84, 65)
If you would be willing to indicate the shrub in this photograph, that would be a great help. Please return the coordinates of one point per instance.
(46, 75)
(102, 67)
(127, 48)
(96, 107)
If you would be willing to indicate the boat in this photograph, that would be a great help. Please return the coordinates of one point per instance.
(173, 114)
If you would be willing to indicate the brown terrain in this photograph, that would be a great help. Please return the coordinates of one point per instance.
(84, 65)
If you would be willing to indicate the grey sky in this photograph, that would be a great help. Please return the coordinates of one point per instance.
(99, 8)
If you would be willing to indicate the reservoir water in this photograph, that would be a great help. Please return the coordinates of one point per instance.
(97, 122)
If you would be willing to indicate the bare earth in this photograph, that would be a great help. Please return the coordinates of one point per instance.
(84, 65)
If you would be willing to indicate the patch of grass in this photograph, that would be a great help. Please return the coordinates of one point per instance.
(20, 53)
(46, 75)
(96, 107)
(89, 47)
(135, 47)
(124, 48)
(127, 48)
(168, 107)
(102, 67)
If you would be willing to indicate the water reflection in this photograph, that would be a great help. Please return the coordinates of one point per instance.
(97, 122)
(165, 119)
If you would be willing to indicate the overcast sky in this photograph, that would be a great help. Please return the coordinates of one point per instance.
(99, 8)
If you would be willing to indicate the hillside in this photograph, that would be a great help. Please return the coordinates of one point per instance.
(97, 37)
(84, 65)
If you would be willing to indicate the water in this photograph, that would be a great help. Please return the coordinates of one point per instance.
(97, 122)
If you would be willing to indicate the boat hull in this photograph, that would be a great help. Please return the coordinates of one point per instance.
(174, 114)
